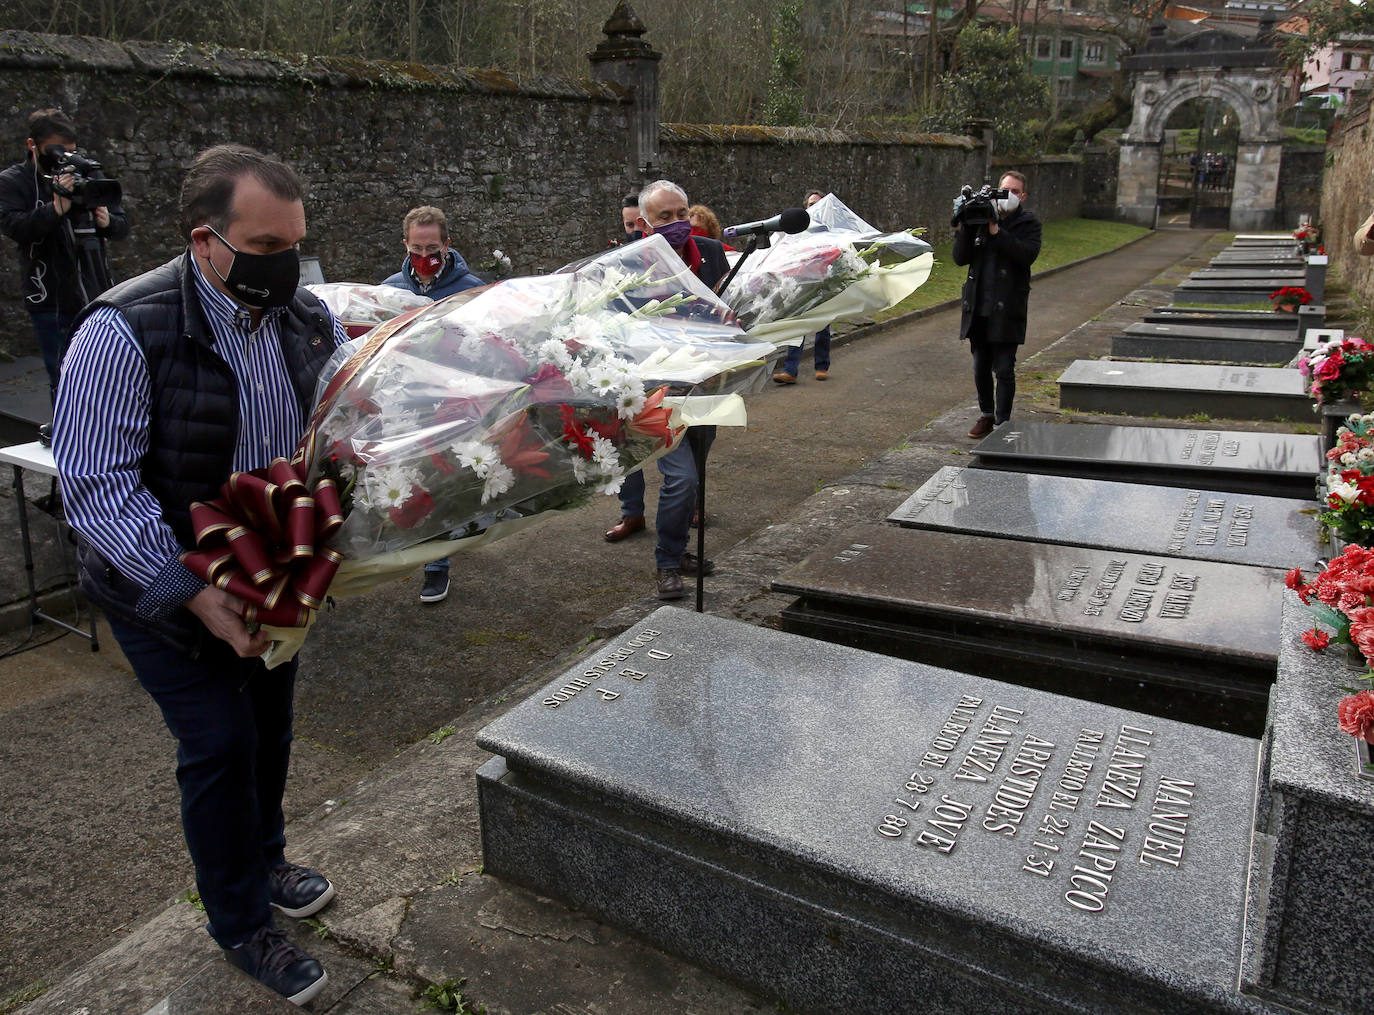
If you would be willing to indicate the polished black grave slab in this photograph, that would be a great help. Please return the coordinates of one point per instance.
(1222, 291)
(1269, 276)
(1269, 464)
(1275, 532)
(1219, 317)
(1190, 640)
(847, 832)
(1201, 342)
(1184, 389)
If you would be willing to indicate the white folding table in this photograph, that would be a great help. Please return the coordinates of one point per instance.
(34, 457)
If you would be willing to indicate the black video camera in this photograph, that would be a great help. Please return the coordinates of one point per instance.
(977, 209)
(84, 192)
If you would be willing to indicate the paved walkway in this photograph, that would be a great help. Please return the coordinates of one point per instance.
(391, 694)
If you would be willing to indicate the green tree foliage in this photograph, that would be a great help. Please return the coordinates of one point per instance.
(990, 80)
(784, 107)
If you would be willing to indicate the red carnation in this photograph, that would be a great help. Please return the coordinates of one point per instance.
(1356, 715)
(1316, 639)
(1293, 579)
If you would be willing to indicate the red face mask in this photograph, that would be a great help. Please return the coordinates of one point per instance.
(426, 264)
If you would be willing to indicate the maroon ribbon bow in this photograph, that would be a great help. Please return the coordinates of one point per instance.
(263, 540)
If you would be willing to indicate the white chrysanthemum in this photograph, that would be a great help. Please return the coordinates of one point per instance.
(603, 378)
(389, 486)
(604, 453)
(556, 352)
(470, 345)
(579, 468)
(500, 478)
(476, 456)
(630, 403)
(611, 486)
(1347, 459)
(1364, 455)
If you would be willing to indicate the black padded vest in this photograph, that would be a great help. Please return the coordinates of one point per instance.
(194, 412)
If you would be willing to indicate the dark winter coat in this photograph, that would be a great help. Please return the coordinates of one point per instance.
(47, 258)
(998, 285)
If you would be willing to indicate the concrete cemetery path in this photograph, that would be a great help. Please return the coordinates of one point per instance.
(391, 692)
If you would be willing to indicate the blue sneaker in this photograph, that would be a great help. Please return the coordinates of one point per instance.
(270, 958)
(298, 891)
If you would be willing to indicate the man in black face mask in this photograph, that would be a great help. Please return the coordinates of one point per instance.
(174, 380)
(61, 245)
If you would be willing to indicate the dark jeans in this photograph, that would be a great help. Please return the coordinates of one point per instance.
(52, 331)
(677, 497)
(994, 376)
(792, 363)
(232, 721)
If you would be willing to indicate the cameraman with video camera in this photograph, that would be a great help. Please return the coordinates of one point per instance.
(999, 240)
(60, 209)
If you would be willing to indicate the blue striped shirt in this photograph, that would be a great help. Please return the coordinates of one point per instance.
(100, 434)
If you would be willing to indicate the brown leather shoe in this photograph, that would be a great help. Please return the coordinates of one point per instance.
(822, 375)
(783, 377)
(980, 429)
(688, 565)
(670, 583)
(625, 528)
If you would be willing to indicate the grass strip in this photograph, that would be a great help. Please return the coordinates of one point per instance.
(1065, 241)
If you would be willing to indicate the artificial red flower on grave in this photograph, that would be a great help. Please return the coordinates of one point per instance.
(1316, 639)
(1330, 368)
(1355, 713)
(1295, 294)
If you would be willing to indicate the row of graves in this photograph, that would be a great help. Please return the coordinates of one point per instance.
(1050, 738)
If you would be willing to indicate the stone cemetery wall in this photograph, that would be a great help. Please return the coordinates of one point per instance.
(535, 167)
(1055, 184)
(1100, 167)
(1300, 183)
(1348, 195)
(893, 179)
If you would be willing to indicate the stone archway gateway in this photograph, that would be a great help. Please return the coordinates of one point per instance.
(1240, 72)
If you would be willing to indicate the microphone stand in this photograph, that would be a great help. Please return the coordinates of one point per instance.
(698, 441)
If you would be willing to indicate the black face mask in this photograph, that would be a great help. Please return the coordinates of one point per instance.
(261, 280)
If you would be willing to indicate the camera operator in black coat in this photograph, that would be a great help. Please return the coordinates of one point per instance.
(999, 255)
(61, 237)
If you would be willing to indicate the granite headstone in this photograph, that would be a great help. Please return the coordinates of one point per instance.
(1218, 317)
(847, 832)
(1167, 521)
(1184, 389)
(1268, 464)
(1187, 639)
(1200, 342)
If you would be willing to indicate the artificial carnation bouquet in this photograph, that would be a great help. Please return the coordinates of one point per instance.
(1341, 598)
(1339, 370)
(1290, 297)
(1349, 510)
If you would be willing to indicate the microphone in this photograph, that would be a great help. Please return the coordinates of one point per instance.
(793, 220)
